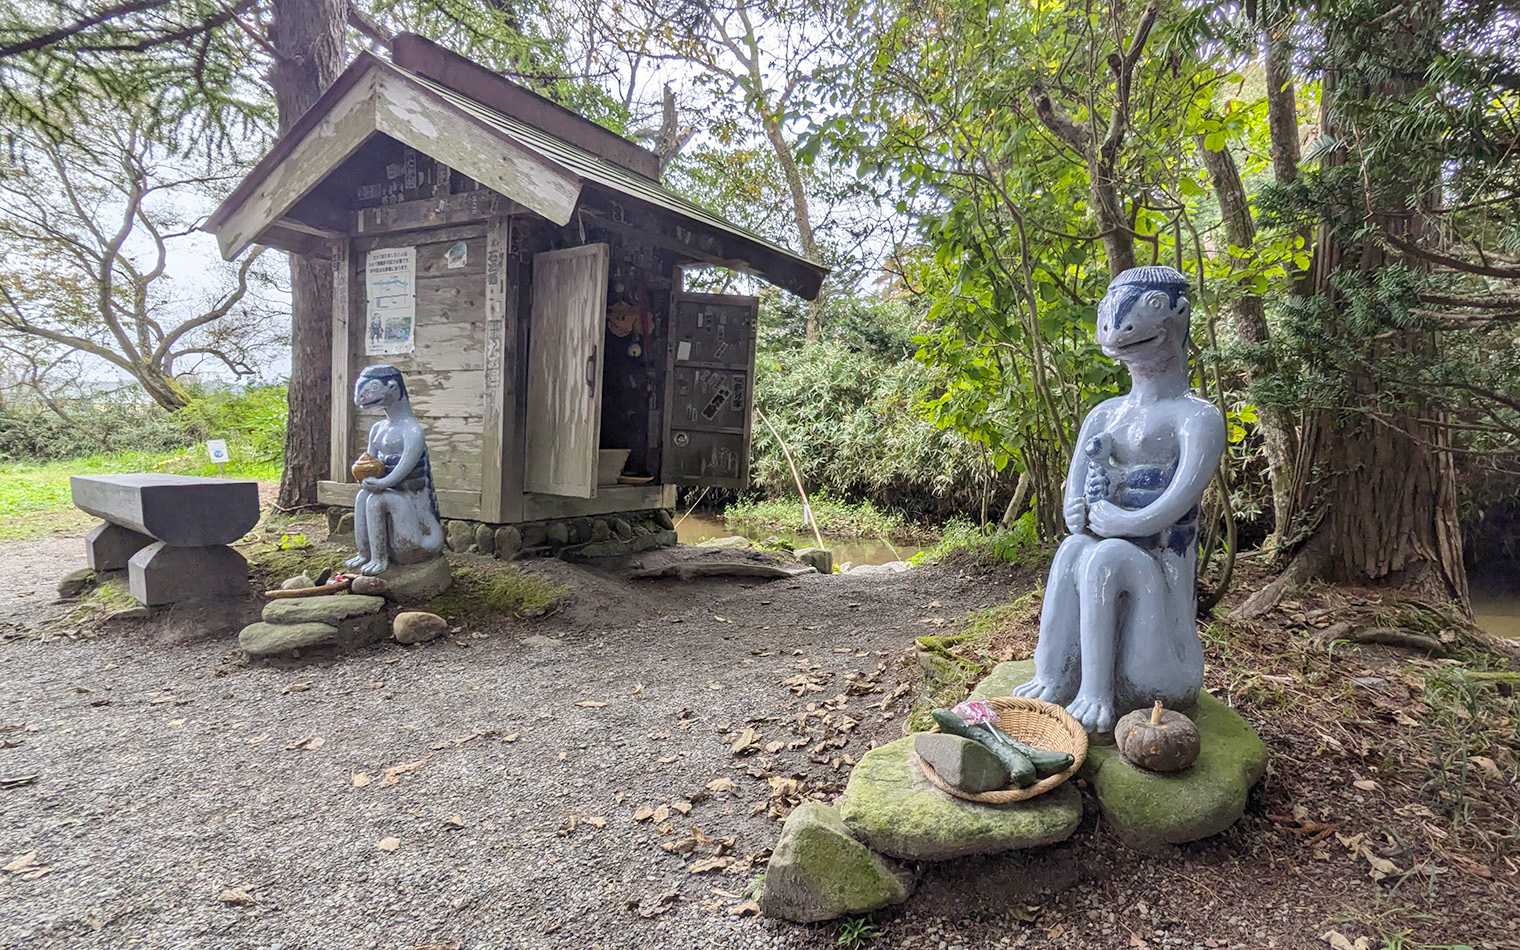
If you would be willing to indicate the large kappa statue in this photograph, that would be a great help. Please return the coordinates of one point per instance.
(395, 512)
(1117, 630)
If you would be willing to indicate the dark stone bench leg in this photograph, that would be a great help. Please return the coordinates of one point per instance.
(108, 547)
(161, 574)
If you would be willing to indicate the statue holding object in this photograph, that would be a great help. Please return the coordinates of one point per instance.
(1118, 626)
(395, 512)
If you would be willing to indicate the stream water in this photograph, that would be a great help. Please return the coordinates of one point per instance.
(1498, 615)
(854, 550)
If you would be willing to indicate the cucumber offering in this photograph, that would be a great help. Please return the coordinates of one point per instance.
(1019, 766)
(1023, 760)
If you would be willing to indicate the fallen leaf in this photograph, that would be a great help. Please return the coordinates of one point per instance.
(177, 722)
(774, 747)
(597, 821)
(237, 896)
(722, 620)
(361, 779)
(709, 864)
(637, 689)
(393, 774)
(22, 863)
(748, 741)
(16, 781)
(1381, 867)
(1365, 784)
(724, 785)
(389, 844)
(655, 907)
(667, 759)
(744, 909)
(591, 704)
(661, 814)
(510, 737)
(643, 813)
(258, 738)
(311, 743)
(455, 821)
(1486, 765)
(682, 807)
(296, 688)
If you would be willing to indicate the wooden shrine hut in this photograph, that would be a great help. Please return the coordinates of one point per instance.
(522, 266)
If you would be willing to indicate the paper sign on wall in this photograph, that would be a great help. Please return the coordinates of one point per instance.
(390, 280)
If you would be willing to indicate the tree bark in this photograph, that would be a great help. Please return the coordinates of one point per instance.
(1282, 106)
(777, 137)
(307, 37)
(1386, 492)
(1279, 438)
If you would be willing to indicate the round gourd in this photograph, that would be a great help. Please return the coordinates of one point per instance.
(1160, 740)
(367, 466)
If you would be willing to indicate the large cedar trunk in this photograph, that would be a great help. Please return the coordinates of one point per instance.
(307, 36)
(1384, 487)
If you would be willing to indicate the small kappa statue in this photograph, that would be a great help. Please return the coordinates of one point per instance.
(396, 512)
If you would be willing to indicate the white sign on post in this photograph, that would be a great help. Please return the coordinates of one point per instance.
(390, 280)
(217, 449)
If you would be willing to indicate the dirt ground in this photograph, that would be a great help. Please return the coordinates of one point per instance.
(493, 789)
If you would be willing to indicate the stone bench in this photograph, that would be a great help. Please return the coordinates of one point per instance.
(170, 533)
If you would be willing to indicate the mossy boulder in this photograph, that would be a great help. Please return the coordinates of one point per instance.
(892, 807)
(329, 609)
(819, 872)
(272, 639)
(1151, 809)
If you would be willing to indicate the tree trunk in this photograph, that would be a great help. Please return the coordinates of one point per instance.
(1282, 107)
(307, 36)
(163, 388)
(1386, 489)
(793, 174)
(1279, 438)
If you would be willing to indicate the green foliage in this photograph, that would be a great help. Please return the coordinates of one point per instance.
(497, 591)
(855, 932)
(835, 518)
(1018, 543)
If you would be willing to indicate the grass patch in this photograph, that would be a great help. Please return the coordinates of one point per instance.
(497, 591)
(35, 499)
(962, 541)
(953, 663)
(836, 518)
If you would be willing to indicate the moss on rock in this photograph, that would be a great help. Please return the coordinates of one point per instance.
(889, 805)
(819, 872)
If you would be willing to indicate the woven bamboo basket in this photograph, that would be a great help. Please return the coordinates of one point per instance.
(1034, 722)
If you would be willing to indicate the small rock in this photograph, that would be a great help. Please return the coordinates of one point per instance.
(534, 535)
(818, 872)
(76, 583)
(846, 567)
(622, 529)
(600, 530)
(416, 626)
(964, 763)
(368, 586)
(298, 582)
(897, 567)
(132, 613)
(485, 539)
(557, 534)
(821, 559)
(665, 519)
(733, 541)
(459, 535)
(508, 542)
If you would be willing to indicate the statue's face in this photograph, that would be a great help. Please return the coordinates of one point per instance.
(1141, 328)
(372, 392)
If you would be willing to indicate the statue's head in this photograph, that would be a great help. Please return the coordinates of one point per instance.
(379, 386)
(1143, 319)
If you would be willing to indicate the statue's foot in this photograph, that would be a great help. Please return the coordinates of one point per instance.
(377, 566)
(1096, 714)
(1038, 688)
(357, 561)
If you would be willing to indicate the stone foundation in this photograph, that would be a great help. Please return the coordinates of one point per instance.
(627, 532)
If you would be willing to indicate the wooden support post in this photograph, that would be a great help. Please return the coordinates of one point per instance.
(342, 400)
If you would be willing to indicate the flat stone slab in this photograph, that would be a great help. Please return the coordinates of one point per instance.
(819, 872)
(271, 639)
(1151, 810)
(415, 583)
(892, 808)
(329, 609)
(182, 510)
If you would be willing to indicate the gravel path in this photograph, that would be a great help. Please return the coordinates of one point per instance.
(172, 780)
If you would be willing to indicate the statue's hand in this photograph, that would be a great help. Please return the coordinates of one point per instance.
(1075, 513)
(1108, 520)
(372, 484)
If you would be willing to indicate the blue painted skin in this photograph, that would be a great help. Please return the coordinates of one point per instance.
(395, 515)
(1118, 626)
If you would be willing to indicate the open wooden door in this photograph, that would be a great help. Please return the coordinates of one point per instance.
(564, 420)
(711, 391)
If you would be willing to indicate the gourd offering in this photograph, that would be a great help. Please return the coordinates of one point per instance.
(1158, 739)
(1024, 761)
